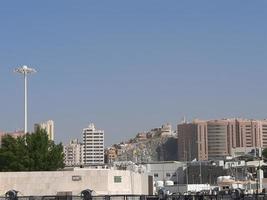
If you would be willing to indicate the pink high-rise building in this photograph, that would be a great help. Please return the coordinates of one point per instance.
(193, 141)
(211, 139)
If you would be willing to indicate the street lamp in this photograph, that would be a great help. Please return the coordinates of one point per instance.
(199, 160)
(25, 71)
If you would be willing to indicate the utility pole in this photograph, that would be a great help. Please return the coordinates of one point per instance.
(199, 159)
(200, 173)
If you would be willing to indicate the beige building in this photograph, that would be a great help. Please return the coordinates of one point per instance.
(213, 139)
(73, 153)
(48, 126)
(111, 154)
(249, 133)
(102, 181)
(264, 133)
(220, 138)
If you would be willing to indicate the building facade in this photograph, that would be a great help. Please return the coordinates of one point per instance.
(73, 153)
(192, 141)
(215, 139)
(165, 171)
(52, 183)
(48, 126)
(249, 133)
(93, 141)
(110, 155)
(219, 142)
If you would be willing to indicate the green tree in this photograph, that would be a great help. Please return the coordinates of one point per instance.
(32, 152)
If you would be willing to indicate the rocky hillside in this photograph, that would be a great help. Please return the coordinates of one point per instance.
(154, 149)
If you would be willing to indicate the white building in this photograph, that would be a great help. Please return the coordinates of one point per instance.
(48, 126)
(101, 181)
(73, 153)
(93, 141)
(165, 171)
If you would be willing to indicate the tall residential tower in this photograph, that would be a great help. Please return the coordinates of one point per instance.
(193, 141)
(48, 126)
(93, 141)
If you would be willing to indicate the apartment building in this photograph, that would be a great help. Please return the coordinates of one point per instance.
(192, 141)
(73, 153)
(219, 138)
(214, 139)
(93, 141)
(48, 126)
(249, 133)
(110, 155)
(264, 133)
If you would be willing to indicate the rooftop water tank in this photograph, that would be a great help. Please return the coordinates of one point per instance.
(169, 183)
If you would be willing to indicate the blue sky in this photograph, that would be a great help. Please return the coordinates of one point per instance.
(129, 66)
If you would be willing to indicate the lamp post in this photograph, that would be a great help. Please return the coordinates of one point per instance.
(199, 143)
(187, 174)
(25, 71)
(200, 173)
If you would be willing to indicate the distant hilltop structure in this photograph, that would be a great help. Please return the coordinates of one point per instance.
(48, 126)
(158, 144)
(164, 131)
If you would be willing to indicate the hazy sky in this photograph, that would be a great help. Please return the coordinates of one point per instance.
(129, 66)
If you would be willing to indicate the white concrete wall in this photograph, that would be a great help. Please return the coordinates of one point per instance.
(50, 183)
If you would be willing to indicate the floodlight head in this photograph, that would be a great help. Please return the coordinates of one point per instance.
(25, 70)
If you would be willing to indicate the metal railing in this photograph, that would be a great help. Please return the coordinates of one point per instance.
(145, 197)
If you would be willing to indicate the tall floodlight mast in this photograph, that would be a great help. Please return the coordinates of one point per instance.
(25, 71)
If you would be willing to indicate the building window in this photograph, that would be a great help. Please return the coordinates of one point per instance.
(117, 179)
(168, 174)
(156, 175)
